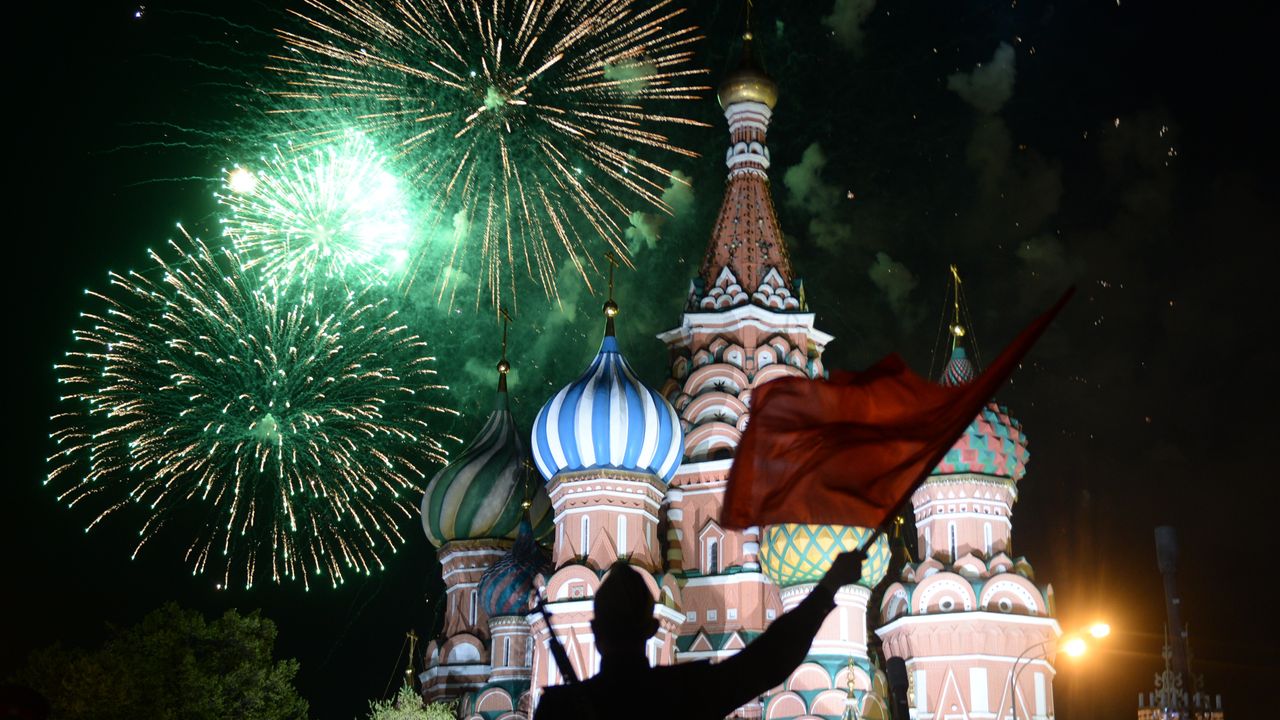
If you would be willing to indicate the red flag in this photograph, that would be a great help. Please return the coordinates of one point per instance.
(849, 450)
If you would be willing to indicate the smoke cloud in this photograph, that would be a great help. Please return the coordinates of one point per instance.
(807, 191)
(632, 74)
(647, 227)
(988, 86)
(846, 20)
(896, 282)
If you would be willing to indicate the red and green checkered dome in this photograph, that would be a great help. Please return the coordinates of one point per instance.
(993, 444)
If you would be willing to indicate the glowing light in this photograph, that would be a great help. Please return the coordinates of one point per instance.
(1100, 629)
(1075, 647)
(241, 181)
(533, 128)
(333, 212)
(286, 427)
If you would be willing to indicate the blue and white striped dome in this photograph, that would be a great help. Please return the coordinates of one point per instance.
(608, 419)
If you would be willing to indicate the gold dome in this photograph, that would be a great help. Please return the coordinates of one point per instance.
(748, 83)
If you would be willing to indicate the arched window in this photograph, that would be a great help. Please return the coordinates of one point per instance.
(951, 530)
(622, 536)
(506, 651)
(474, 605)
(586, 536)
(713, 557)
(928, 543)
(986, 538)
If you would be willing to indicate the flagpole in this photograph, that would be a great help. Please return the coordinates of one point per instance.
(557, 650)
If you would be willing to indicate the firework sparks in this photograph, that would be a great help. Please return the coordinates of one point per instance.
(527, 123)
(289, 423)
(335, 211)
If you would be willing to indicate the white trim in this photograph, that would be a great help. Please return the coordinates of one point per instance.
(965, 515)
(497, 551)
(979, 696)
(705, 466)
(835, 647)
(944, 659)
(755, 577)
(705, 654)
(997, 618)
(744, 316)
(675, 616)
(568, 606)
(1042, 704)
(609, 508)
(566, 497)
(717, 490)
(942, 515)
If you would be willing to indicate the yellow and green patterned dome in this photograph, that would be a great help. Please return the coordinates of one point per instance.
(793, 554)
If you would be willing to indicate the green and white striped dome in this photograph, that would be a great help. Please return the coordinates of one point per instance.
(480, 494)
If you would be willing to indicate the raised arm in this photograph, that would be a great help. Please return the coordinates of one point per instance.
(770, 658)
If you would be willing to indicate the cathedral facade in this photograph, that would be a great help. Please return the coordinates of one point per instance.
(614, 469)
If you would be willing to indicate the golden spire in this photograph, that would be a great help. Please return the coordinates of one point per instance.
(504, 367)
(527, 467)
(957, 329)
(748, 83)
(852, 712)
(409, 675)
(610, 307)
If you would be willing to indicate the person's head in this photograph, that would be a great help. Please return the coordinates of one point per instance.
(623, 611)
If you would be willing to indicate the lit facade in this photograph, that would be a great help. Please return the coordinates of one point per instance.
(977, 633)
(639, 474)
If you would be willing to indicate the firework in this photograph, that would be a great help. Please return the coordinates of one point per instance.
(334, 211)
(528, 124)
(288, 423)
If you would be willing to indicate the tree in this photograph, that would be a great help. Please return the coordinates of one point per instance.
(173, 665)
(408, 705)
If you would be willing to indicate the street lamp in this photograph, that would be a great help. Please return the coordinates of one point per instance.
(1074, 645)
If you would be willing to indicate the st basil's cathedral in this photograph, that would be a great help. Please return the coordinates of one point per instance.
(615, 469)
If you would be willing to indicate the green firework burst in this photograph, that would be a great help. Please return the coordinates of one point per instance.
(532, 128)
(288, 424)
(334, 212)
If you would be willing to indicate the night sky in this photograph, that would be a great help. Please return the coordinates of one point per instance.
(1125, 147)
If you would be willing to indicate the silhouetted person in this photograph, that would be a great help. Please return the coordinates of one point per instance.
(627, 687)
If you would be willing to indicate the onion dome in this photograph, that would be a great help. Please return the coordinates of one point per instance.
(608, 419)
(793, 554)
(748, 83)
(506, 588)
(479, 495)
(993, 444)
(959, 371)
